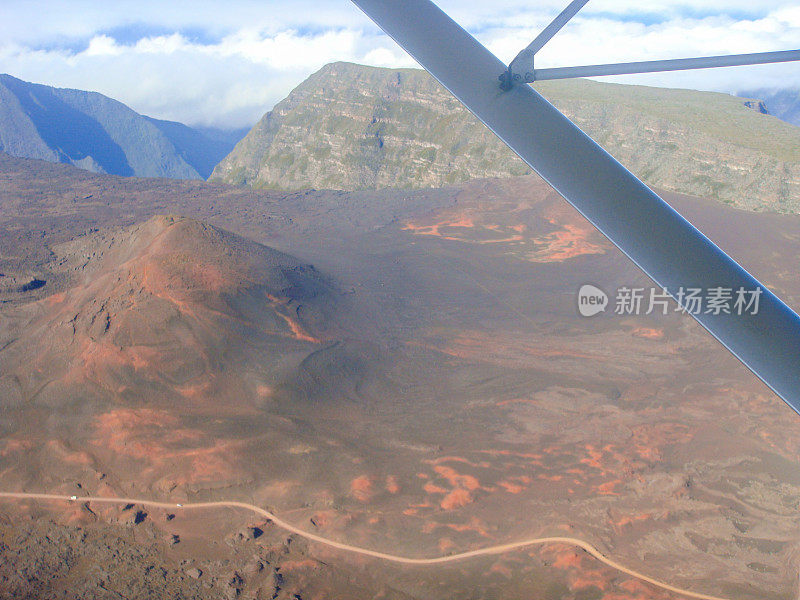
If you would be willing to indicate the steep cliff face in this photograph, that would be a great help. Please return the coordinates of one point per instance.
(356, 127)
(700, 143)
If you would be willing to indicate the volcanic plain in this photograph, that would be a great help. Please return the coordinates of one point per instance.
(398, 370)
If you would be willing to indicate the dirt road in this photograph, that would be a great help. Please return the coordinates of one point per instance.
(365, 551)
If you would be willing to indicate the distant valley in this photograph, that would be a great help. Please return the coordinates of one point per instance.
(97, 133)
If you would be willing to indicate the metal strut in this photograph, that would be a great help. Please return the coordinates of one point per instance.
(522, 67)
(664, 244)
(657, 66)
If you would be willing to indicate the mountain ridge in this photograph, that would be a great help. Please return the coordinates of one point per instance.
(100, 134)
(354, 127)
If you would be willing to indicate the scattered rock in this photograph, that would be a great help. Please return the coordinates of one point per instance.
(254, 566)
(20, 283)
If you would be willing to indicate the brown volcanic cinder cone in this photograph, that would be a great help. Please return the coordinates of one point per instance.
(162, 323)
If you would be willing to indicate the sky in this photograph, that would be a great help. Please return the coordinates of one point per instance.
(224, 64)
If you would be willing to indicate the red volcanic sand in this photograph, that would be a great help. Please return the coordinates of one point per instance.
(456, 479)
(467, 222)
(629, 520)
(573, 237)
(299, 565)
(607, 489)
(501, 570)
(361, 488)
(570, 242)
(156, 440)
(511, 488)
(474, 525)
(476, 345)
(14, 446)
(391, 484)
(434, 229)
(584, 573)
(649, 333)
(432, 488)
(456, 499)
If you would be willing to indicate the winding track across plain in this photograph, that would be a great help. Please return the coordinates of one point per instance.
(365, 551)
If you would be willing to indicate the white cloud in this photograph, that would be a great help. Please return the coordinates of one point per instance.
(228, 83)
(193, 62)
(102, 45)
(389, 57)
(287, 50)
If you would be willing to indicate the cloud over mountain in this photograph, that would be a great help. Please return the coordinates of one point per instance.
(198, 65)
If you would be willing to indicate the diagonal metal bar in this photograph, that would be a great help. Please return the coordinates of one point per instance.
(656, 66)
(651, 233)
(522, 65)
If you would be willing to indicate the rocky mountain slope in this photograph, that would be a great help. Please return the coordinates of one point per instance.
(355, 127)
(94, 132)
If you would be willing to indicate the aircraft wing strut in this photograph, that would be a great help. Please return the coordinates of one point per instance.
(652, 234)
